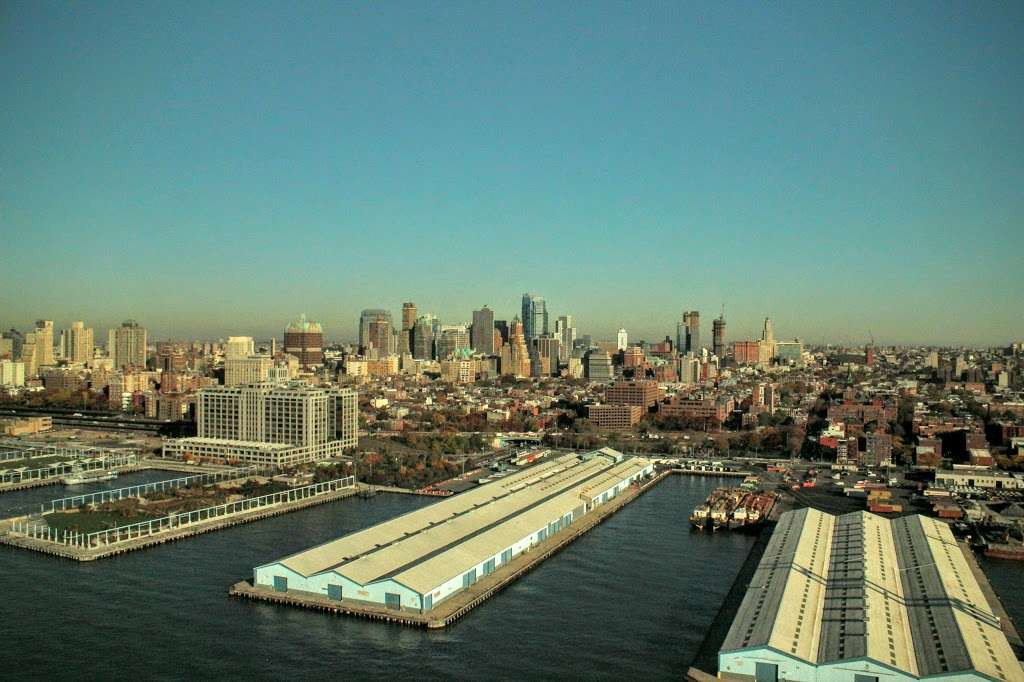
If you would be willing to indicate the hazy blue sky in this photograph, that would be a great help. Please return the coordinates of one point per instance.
(217, 168)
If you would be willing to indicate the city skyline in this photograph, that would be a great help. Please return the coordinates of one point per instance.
(624, 164)
(339, 329)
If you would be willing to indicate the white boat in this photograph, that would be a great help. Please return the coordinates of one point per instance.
(78, 477)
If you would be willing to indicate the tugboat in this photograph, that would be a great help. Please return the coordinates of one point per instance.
(700, 517)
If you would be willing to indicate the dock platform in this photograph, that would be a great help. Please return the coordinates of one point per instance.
(454, 608)
(78, 553)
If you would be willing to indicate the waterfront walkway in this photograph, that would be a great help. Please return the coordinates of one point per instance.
(178, 532)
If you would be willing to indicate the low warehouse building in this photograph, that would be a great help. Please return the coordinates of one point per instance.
(418, 560)
(861, 598)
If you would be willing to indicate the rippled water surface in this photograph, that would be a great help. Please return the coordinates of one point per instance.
(632, 598)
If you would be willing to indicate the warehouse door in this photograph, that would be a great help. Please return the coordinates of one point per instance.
(280, 583)
(506, 556)
(489, 567)
(766, 672)
(428, 602)
(334, 592)
(469, 578)
(392, 600)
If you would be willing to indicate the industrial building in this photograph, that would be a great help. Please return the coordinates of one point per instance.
(416, 561)
(977, 477)
(862, 598)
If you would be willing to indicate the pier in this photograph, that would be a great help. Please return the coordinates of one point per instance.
(460, 604)
(28, 533)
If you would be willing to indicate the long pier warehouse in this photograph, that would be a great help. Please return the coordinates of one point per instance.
(861, 598)
(416, 561)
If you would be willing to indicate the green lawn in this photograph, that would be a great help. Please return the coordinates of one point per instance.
(88, 522)
(36, 463)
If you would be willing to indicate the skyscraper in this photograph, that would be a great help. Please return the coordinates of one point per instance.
(515, 356)
(621, 339)
(502, 328)
(408, 316)
(453, 338)
(566, 333)
(77, 346)
(408, 322)
(767, 345)
(535, 316)
(44, 341)
(688, 333)
(375, 328)
(718, 336)
(423, 338)
(305, 340)
(482, 331)
(129, 341)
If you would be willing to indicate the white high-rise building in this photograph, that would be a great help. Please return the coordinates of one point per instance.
(239, 347)
(566, 333)
(621, 339)
(271, 424)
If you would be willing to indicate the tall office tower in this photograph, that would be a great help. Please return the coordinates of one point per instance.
(375, 327)
(482, 332)
(239, 347)
(502, 327)
(535, 316)
(621, 339)
(515, 356)
(767, 347)
(544, 352)
(718, 336)
(688, 333)
(304, 339)
(44, 341)
(129, 345)
(271, 424)
(453, 338)
(423, 338)
(6, 348)
(566, 334)
(408, 322)
(30, 354)
(408, 316)
(17, 338)
(77, 343)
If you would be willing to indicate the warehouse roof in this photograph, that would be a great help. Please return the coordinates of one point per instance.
(900, 592)
(424, 548)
